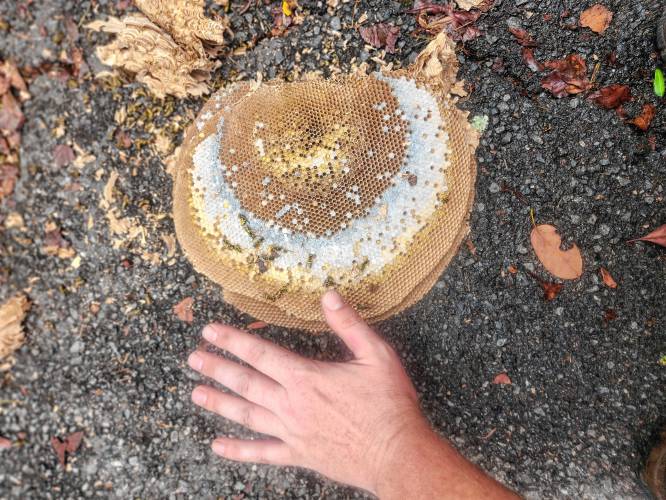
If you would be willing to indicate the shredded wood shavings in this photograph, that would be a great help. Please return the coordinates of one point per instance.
(125, 227)
(12, 337)
(437, 63)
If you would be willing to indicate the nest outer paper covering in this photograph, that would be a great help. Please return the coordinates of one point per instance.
(359, 183)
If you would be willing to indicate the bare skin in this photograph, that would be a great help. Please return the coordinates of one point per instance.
(357, 422)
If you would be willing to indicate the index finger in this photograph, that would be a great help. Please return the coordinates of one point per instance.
(268, 358)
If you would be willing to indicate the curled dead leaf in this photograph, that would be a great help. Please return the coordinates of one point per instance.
(438, 64)
(12, 313)
(530, 60)
(183, 310)
(658, 236)
(502, 379)
(522, 36)
(644, 120)
(564, 264)
(381, 35)
(607, 278)
(551, 290)
(612, 96)
(598, 18)
(257, 325)
(569, 76)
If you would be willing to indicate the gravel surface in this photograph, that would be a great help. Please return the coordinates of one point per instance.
(107, 356)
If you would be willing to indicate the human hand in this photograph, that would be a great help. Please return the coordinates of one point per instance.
(347, 421)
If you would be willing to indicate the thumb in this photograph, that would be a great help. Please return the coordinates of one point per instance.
(348, 325)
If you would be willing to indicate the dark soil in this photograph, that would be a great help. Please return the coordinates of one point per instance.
(106, 355)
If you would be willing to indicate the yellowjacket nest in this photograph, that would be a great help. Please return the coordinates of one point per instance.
(361, 183)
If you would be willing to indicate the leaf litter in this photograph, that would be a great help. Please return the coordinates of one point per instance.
(563, 264)
(598, 18)
(12, 336)
(658, 237)
(69, 446)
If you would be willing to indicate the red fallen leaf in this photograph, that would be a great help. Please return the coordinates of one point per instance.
(523, 37)
(530, 60)
(69, 445)
(470, 246)
(63, 155)
(502, 379)
(459, 24)
(612, 96)
(551, 290)
(610, 315)
(257, 325)
(644, 120)
(8, 176)
(59, 447)
(73, 441)
(569, 76)
(608, 279)
(597, 18)
(5, 443)
(658, 236)
(381, 35)
(184, 310)
(123, 140)
(10, 73)
(11, 116)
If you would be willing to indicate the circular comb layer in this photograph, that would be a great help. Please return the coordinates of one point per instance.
(359, 183)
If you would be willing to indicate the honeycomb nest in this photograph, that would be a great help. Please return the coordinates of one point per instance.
(358, 183)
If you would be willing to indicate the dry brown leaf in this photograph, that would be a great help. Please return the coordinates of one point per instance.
(569, 76)
(644, 120)
(564, 264)
(608, 279)
(502, 379)
(469, 4)
(183, 310)
(550, 290)
(12, 313)
(612, 96)
(381, 36)
(658, 236)
(146, 51)
(257, 325)
(598, 18)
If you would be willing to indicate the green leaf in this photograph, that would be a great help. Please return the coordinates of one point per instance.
(659, 86)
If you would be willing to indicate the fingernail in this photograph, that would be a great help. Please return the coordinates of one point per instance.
(199, 396)
(195, 361)
(209, 333)
(218, 447)
(332, 301)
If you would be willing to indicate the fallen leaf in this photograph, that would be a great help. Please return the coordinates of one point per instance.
(598, 18)
(530, 60)
(659, 84)
(512, 269)
(63, 155)
(564, 264)
(612, 96)
(60, 448)
(522, 36)
(381, 35)
(8, 178)
(5, 443)
(551, 290)
(469, 4)
(12, 313)
(610, 315)
(11, 116)
(73, 441)
(502, 379)
(569, 76)
(608, 279)
(644, 120)
(183, 310)
(437, 63)
(257, 325)
(658, 236)
(457, 24)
